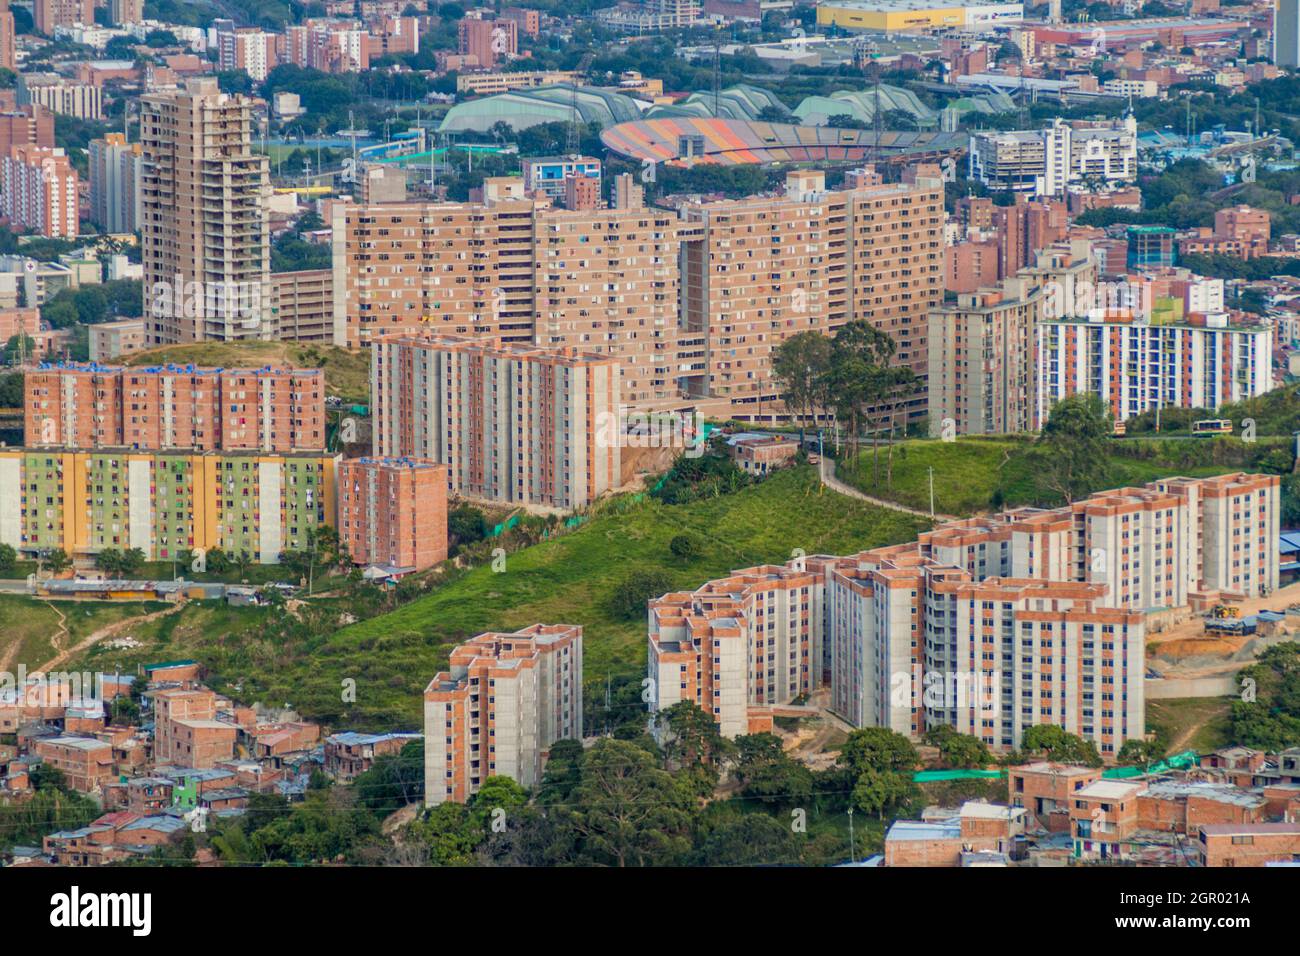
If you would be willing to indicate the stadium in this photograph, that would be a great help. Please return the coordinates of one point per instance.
(692, 140)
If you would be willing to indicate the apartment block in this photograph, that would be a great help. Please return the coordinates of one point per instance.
(116, 167)
(333, 46)
(38, 190)
(756, 271)
(60, 95)
(490, 41)
(161, 407)
(49, 14)
(512, 423)
(738, 645)
(31, 125)
(393, 511)
(1046, 162)
(303, 305)
(8, 43)
(1198, 361)
(598, 280)
(204, 235)
(978, 831)
(110, 340)
(505, 699)
(547, 174)
(982, 375)
(249, 50)
(991, 625)
(165, 504)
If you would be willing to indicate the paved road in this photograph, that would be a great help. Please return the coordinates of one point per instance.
(827, 472)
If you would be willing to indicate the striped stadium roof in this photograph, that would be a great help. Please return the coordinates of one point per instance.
(736, 142)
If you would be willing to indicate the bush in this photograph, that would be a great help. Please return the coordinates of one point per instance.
(630, 597)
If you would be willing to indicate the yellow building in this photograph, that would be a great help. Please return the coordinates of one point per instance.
(900, 16)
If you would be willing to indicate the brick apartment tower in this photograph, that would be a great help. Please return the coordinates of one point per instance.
(115, 172)
(393, 511)
(204, 235)
(505, 699)
(8, 47)
(49, 14)
(168, 406)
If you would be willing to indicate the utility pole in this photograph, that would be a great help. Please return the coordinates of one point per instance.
(853, 853)
(931, 470)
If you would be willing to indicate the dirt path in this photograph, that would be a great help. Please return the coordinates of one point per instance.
(94, 637)
(826, 471)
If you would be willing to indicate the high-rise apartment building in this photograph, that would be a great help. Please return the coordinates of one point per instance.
(29, 125)
(756, 271)
(38, 190)
(602, 281)
(60, 95)
(982, 361)
(115, 176)
(204, 235)
(991, 624)
(165, 503)
(48, 14)
(504, 700)
(332, 46)
(513, 423)
(1045, 162)
(162, 407)
(126, 12)
(393, 511)
(1286, 33)
(247, 49)
(8, 44)
(1137, 364)
(491, 41)
(740, 645)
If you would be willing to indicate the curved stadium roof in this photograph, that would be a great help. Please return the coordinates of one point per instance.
(521, 109)
(741, 102)
(861, 105)
(735, 142)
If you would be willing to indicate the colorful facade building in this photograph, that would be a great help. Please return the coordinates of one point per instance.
(167, 504)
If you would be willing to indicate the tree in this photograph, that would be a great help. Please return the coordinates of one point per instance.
(109, 560)
(132, 560)
(957, 749)
(692, 739)
(57, 561)
(878, 764)
(628, 812)
(1054, 743)
(748, 839)
(684, 546)
(860, 379)
(1139, 753)
(766, 772)
(8, 559)
(466, 525)
(1071, 451)
(800, 366)
(629, 598)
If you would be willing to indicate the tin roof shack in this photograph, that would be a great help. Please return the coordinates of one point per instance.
(1046, 790)
(1185, 806)
(280, 743)
(86, 763)
(977, 828)
(348, 754)
(1249, 844)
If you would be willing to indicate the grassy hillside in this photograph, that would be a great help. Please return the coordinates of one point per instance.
(35, 631)
(985, 474)
(570, 579)
(347, 373)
